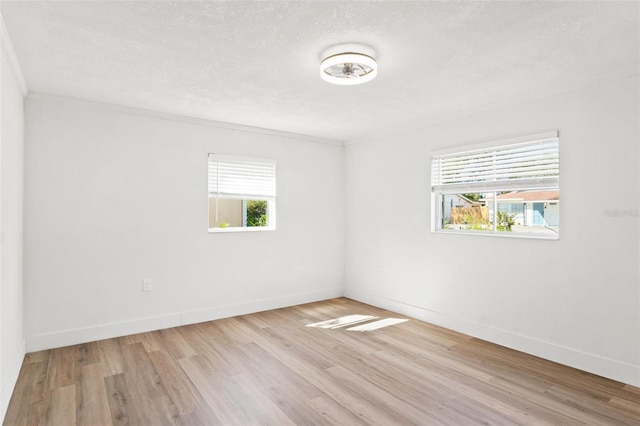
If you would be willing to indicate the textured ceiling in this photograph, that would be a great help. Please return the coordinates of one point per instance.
(256, 63)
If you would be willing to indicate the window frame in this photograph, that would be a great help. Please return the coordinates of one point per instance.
(268, 195)
(492, 186)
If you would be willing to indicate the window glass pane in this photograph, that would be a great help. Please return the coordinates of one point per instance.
(257, 213)
(529, 213)
(225, 212)
(526, 212)
(239, 213)
(465, 212)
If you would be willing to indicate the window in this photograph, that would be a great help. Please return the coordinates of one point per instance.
(508, 188)
(242, 193)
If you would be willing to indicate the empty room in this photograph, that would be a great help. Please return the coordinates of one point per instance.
(319, 212)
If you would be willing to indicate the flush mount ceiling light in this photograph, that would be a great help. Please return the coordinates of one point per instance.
(348, 68)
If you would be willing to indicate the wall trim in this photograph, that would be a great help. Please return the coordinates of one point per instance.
(122, 109)
(141, 325)
(10, 54)
(602, 366)
(9, 381)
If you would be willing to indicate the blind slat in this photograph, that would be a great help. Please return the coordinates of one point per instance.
(237, 177)
(506, 166)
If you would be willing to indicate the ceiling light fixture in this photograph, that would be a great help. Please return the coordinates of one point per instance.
(348, 68)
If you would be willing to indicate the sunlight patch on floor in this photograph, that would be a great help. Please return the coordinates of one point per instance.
(342, 321)
(357, 319)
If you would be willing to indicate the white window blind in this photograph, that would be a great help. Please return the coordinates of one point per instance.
(506, 167)
(241, 178)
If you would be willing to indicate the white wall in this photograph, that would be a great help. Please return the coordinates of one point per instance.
(114, 196)
(575, 300)
(12, 346)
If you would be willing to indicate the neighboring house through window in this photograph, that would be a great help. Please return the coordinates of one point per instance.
(242, 193)
(529, 208)
(501, 188)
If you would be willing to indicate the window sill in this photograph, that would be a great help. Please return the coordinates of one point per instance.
(243, 229)
(502, 234)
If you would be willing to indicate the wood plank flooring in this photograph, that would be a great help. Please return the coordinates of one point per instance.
(269, 368)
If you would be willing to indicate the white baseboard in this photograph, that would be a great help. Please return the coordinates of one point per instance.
(141, 325)
(605, 367)
(9, 381)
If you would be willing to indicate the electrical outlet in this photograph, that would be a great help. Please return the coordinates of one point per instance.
(146, 285)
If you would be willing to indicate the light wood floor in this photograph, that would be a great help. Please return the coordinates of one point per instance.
(268, 368)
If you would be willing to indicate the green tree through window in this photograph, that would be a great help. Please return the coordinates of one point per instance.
(256, 213)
